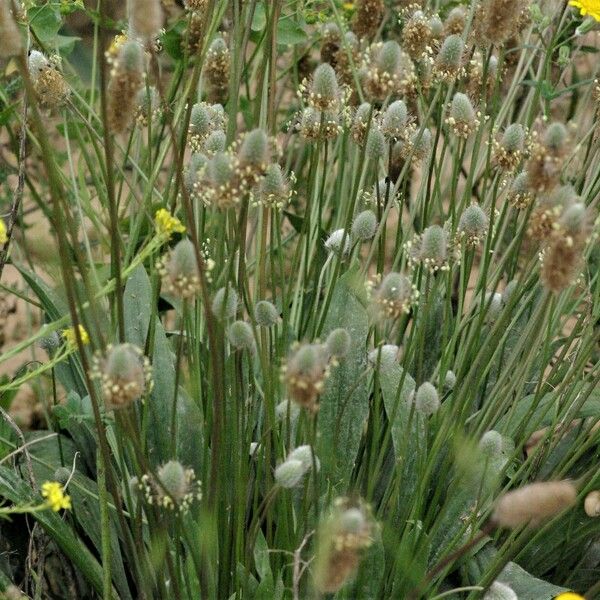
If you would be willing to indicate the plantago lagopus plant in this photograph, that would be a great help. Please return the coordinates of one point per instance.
(299, 299)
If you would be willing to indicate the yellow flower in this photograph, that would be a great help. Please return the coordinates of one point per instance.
(166, 223)
(115, 46)
(56, 499)
(587, 7)
(3, 236)
(569, 596)
(69, 335)
(348, 6)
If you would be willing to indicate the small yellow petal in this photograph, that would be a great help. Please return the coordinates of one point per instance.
(591, 7)
(71, 339)
(166, 223)
(56, 499)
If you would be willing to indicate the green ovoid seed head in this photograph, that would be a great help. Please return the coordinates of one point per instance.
(334, 242)
(451, 53)
(307, 358)
(224, 304)
(310, 123)
(174, 479)
(330, 32)
(362, 113)
(394, 119)
(183, 260)
(394, 296)
(513, 138)
(364, 225)
(221, 169)
(122, 361)
(436, 26)
(519, 193)
(198, 162)
(449, 380)
(285, 406)
(385, 356)
(473, 224)
(421, 145)
(51, 343)
(274, 188)
(561, 196)
(520, 183)
(574, 218)
(395, 286)
(124, 375)
(324, 91)
(131, 56)
(266, 314)
(338, 342)
(240, 335)
(434, 246)
(389, 57)
(461, 109)
(491, 443)
(351, 40)
(218, 46)
(255, 149)
(289, 473)
(36, 62)
(274, 181)
(341, 539)
(376, 144)
(427, 400)
(201, 119)
(123, 365)
(555, 137)
(380, 187)
(215, 142)
(455, 20)
(353, 521)
(305, 455)
(360, 122)
(148, 102)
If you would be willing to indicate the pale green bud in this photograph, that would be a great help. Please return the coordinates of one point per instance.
(225, 303)
(364, 226)
(427, 400)
(338, 342)
(240, 335)
(266, 314)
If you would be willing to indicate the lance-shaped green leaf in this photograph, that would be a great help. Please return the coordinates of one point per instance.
(344, 405)
(138, 307)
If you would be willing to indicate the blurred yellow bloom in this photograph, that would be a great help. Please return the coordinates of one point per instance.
(56, 499)
(3, 236)
(115, 46)
(592, 8)
(69, 335)
(166, 223)
(569, 596)
(349, 6)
